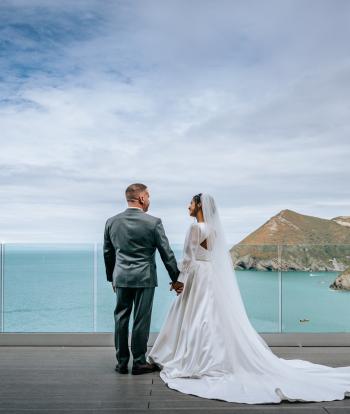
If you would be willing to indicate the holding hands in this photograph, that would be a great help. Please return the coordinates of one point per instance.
(177, 286)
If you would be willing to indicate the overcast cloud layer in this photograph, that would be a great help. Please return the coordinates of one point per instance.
(247, 100)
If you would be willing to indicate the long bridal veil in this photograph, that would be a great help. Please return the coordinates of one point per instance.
(226, 287)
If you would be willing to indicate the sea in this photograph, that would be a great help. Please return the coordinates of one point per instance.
(63, 288)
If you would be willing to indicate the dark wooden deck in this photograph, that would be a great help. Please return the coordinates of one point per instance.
(82, 380)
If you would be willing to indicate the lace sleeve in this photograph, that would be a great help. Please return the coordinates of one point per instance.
(189, 251)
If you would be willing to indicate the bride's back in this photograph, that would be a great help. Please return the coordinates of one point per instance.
(202, 253)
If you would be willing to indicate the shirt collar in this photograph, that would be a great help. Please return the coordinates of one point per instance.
(137, 208)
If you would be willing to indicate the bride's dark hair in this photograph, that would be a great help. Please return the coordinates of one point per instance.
(197, 199)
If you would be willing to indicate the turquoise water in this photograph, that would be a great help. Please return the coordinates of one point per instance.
(51, 289)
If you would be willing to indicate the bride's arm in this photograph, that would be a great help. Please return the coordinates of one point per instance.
(189, 251)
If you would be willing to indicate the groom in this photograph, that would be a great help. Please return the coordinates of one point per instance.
(130, 242)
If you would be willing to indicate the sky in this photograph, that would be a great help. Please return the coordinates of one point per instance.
(246, 100)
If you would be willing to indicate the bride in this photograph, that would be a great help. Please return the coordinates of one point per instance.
(207, 345)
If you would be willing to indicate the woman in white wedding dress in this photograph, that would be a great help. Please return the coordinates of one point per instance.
(207, 345)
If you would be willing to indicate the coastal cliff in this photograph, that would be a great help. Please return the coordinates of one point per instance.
(306, 243)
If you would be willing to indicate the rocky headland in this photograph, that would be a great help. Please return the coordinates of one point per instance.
(294, 241)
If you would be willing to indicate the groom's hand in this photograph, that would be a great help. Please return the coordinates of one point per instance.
(177, 286)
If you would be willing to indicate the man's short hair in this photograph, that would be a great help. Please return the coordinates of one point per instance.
(133, 191)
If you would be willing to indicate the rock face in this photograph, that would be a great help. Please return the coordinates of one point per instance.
(342, 282)
(342, 220)
(293, 241)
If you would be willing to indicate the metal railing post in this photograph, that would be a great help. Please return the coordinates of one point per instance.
(95, 290)
(2, 261)
(279, 252)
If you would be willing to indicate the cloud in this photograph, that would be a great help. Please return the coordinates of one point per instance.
(249, 101)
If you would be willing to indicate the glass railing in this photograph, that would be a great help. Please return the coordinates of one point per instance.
(288, 288)
(63, 288)
(309, 303)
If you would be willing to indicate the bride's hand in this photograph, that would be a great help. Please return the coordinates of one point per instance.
(177, 286)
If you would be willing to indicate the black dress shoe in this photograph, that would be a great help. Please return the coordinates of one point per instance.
(144, 369)
(121, 370)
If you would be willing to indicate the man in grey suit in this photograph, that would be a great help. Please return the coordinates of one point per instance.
(130, 242)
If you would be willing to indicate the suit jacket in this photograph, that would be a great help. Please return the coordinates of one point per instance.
(130, 242)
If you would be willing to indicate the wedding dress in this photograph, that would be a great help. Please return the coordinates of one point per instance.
(207, 345)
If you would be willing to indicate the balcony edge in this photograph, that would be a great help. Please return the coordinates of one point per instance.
(106, 339)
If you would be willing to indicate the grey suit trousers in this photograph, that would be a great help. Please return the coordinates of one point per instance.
(142, 299)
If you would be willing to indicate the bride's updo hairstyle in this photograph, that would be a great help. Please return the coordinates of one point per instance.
(197, 198)
(197, 201)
